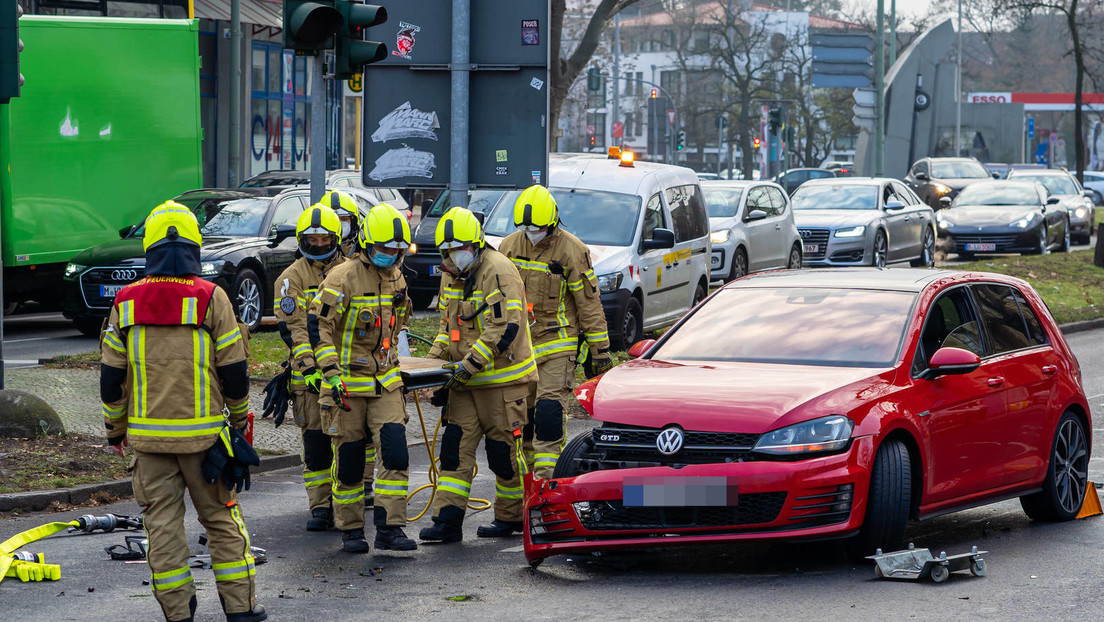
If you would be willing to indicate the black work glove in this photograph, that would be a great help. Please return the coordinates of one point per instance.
(460, 375)
(439, 398)
(277, 396)
(214, 462)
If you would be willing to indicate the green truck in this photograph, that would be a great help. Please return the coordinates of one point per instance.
(106, 127)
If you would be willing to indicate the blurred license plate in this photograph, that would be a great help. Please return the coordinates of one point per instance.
(812, 248)
(678, 491)
(434, 270)
(981, 246)
(109, 291)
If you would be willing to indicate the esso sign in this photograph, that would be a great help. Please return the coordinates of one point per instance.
(990, 98)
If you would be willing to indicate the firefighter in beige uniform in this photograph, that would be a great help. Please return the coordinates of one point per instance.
(354, 323)
(318, 234)
(172, 357)
(564, 304)
(485, 337)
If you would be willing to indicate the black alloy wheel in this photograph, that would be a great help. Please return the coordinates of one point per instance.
(880, 250)
(248, 295)
(1067, 477)
(739, 264)
(927, 251)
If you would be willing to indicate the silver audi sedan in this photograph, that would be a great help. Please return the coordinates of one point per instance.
(863, 221)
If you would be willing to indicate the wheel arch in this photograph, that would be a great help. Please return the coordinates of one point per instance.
(1082, 415)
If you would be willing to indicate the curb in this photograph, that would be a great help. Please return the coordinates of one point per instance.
(42, 499)
(1082, 326)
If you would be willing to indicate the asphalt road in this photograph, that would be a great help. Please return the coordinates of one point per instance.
(33, 336)
(1036, 571)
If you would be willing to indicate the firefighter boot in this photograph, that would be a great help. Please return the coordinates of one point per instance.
(447, 526)
(393, 538)
(258, 614)
(321, 519)
(352, 541)
(499, 529)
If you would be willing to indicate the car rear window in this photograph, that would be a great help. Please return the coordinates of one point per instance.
(796, 326)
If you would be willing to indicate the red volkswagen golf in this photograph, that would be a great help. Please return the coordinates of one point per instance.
(824, 404)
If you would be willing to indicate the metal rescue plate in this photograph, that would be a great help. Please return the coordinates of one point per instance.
(677, 491)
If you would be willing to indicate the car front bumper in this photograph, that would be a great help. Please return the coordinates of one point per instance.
(991, 240)
(720, 261)
(417, 268)
(833, 251)
(818, 498)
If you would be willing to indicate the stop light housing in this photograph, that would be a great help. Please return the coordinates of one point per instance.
(594, 79)
(757, 142)
(681, 141)
(309, 25)
(10, 46)
(655, 93)
(774, 119)
(593, 140)
(351, 51)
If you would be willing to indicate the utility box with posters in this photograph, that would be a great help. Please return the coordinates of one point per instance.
(408, 101)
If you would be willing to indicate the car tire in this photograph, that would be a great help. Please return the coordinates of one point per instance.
(1065, 247)
(794, 263)
(565, 464)
(1067, 475)
(700, 293)
(887, 504)
(927, 250)
(631, 322)
(247, 294)
(1043, 247)
(879, 252)
(89, 326)
(422, 300)
(739, 264)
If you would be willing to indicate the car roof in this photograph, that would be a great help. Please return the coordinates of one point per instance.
(607, 174)
(231, 193)
(733, 183)
(951, 159)
(1001, 183)
(895, 279)
(1020, 172)
(850, 181)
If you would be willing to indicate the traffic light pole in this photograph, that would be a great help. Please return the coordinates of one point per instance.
(318, 130)
(461, 96)
(879, 91)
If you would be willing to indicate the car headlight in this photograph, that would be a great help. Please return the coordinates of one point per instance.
(1026, 221)
(851, 232)
(720, 237)
(1080, 212)
(73, 269)
(413, 249)
(941, 189)
(609, 283)
(210, 268)
(822, 435)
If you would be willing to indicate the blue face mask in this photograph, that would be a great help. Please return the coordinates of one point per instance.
(383, 260)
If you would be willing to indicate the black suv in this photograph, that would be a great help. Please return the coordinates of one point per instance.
(248, 240)
(934, 178)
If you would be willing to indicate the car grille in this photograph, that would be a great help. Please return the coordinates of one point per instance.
(1002, 242)
(818, 237)
(91, 281)
(636, 447)
(754, 508)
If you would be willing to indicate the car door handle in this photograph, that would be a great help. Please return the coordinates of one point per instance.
(995, 382)
(778, 227)
(1049, 369)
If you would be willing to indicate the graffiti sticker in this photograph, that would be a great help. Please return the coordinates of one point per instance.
(404, 40)
(530, 32)
(403, 162)
(406, 121)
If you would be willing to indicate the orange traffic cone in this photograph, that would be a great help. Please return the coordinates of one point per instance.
(1091, 506)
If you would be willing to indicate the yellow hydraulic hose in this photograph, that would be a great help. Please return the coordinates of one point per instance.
(24, 569)
(474, 503)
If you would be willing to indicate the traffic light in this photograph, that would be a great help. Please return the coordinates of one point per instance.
(757, 142)
(593, 140)
(594, 79)
(681, 141)
(10, 47)
(655, 93)
(774, 119)
(309, 24)
(351, 51)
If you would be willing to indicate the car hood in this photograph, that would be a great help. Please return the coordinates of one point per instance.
(217, 248)
(720, 224)
(129, 251)
(607, 259)
(959, 184)
(425, 231)
(727, 397)
(982, 215)
(835, 218)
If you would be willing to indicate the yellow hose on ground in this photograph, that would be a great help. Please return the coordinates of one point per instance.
(474, 503)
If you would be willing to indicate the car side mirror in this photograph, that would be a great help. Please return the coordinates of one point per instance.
(755, 214)
(125, 232)
(640, 348)
(661, 238)
(281, 233)
(894, 205)
(1052, 201)
(922, 177)
(950, 361)
(945, 201)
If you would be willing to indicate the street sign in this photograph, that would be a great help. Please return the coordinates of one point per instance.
(842, 60)
(671, 118)
(1053, 138)
(863, 108)
(1061, 143)
(618, 129)
(590, 129)
(1031, 127)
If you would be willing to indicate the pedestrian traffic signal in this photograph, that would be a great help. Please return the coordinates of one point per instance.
(655, 93)
(681, 141)
(756, 142)
(310, 25)
(351, 51)
(10, 47)
(594, 79)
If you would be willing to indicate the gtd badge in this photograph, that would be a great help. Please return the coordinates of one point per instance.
(669, 441)
(609, 438)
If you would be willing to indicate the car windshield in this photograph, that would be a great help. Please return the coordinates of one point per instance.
(958, 170)
(239, 218)
(478, 201)
(835, 196)
(595, 216)
(795, 326)
(1056, 184)
(204, 209)
(997, 194)
(722, 202)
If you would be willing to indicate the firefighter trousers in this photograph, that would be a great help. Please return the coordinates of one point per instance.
(544, 435)
(491, 413)
(159, 483)
(318, 452)
(374, 426)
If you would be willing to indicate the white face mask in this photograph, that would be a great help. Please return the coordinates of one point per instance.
(462, 259)
(536, 237)
(346, 227)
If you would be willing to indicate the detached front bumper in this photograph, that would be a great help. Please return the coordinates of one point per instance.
(808, 499)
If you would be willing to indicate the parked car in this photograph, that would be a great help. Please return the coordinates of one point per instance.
(935, 178)
(1071, 197)
(1000, 170)
(839, 168)
(863, 221)
(342, 179)
(794, 177)
(648, 232)
(707, 176)
(906, 394)
(248, 240)
(1094, 180)
(751, 227)
(1004, 217)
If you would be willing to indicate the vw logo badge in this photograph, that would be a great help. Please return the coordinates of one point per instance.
(124, 275)
(669, 441)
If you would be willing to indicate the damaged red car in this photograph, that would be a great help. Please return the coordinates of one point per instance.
(802, 405)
